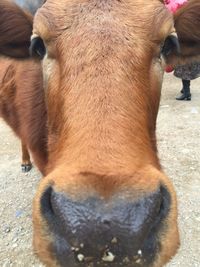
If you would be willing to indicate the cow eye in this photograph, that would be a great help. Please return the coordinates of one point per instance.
(170, 45)
(37, 48)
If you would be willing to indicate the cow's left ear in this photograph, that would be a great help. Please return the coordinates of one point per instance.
(187, 26)
(15, 30)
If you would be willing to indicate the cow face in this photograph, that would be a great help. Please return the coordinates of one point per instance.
(105, 200)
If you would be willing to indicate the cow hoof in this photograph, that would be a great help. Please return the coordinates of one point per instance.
(26, 167)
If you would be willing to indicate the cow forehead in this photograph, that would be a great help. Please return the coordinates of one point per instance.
(137, 16)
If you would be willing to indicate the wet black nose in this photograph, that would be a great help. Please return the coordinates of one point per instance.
(96, 232)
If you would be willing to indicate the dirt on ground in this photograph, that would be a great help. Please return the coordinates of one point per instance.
(178, 134)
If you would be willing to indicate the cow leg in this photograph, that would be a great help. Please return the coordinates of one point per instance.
(26, 163)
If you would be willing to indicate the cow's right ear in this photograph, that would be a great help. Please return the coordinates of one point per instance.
(15, 30)
(187, 26)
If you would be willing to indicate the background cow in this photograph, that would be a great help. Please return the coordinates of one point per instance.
(17, 78)
(104, 199)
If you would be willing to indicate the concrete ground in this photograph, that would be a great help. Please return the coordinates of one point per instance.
(179, 148)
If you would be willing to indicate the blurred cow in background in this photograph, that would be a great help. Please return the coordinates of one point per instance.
(22, 78)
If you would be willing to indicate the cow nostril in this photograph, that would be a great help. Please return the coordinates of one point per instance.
(106, 222)
(165, 202)
(163, 206)
(46, 204)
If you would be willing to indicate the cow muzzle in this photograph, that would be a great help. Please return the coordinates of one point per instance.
(104, 232)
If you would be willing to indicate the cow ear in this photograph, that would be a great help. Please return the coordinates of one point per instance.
(15, 30)
(187, 25)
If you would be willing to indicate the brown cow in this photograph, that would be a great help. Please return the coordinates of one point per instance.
(9, 87)
(12, 79)
(104, 200)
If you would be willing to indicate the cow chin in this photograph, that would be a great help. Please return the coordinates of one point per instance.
(130, 227)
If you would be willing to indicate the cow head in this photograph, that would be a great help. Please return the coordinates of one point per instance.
(105, 200)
